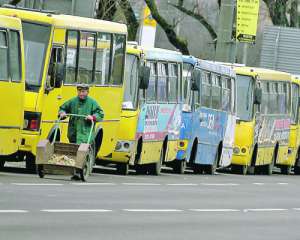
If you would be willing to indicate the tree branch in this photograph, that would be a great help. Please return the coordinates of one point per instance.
(199, 18)
(172, 36)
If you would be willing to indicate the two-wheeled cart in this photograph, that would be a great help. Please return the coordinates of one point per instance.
(65, 158)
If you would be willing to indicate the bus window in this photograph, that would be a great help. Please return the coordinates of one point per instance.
(56, 57)
(151, 91)
(264, 104)
(162, 82)
(86, 57)
(295, 97)
(103, 59)
(206, 89)
(119, 43)
(216, 91)
(187, 76)
(71, 57)
(173, 82)
(226, 91)
(131, 82)
(14, 56)
(35, 52)
(3, 56)
(244, 97)
(287, 91)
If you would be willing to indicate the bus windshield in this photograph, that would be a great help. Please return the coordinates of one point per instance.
(36, 40)
(131, 82)
(244, 97)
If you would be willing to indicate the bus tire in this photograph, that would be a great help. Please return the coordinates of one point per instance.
(155, 168)
(239, 169)
(286, 169)
(198, 168)
(2, 163)
(30, 163)
(179, 166)
(141, 169)
(40, 171)
(122, 168)
(211, 169)
(296, 170)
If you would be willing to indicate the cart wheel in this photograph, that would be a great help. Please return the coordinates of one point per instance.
(85, 172)
(40, 170)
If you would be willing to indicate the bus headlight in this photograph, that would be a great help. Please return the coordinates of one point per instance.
(236, 150)
(123, 146)
(244, 150)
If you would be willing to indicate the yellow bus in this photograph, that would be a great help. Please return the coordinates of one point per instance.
(61, 51)
(12, 84)
(150, 123)
(263, 120)
(294, 141)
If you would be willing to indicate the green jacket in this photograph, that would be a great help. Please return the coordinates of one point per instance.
(79, 128)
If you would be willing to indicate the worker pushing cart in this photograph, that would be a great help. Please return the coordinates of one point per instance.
(77, 157)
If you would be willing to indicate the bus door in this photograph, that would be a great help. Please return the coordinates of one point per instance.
(12, 91)
(52, 90)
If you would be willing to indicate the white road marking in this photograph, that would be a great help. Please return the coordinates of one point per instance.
(141, 184)
(182, 184)
(75, 210)
(14, 211)
(282, 183)
(220, 184)
(38, 184)
(153, 210)
(296, 209)
(265, 209)
(258, 183)
(215, 210)
(93, 184)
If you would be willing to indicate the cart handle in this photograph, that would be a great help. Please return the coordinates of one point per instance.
(73, 115)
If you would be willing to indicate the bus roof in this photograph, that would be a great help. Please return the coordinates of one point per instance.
(66, 21)
(263, 73)
(133, 49)
(10, 22)
(162, 54)
(209, 65)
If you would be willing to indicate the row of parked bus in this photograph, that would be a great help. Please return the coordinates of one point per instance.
(161, 108)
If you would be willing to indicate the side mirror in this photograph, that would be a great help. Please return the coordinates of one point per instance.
(144, 76)
(59, 74)
(257, 96)
(196, 79)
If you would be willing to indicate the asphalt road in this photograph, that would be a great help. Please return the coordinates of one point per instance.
(170, 206)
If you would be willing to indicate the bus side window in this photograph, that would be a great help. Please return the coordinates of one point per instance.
(151, 91)
(173, 82)
(71, 57)
(162, 82)
(216, 91)
(3, 56)
(118, 58)
(86, 57)
(233, 96)
(206, 89)
(226, 94)
(15, 56)
(265, 96)
(103, 55)
(56, 57)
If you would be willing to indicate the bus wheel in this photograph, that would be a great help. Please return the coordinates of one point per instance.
(296, 170)
(155, 168)
(40, 170)
(2, 163)
(30, 163)
(179, 166)
(122, 168)
(141, 169)
(239, 169)
(286, 169)
(211, 169)
(198, 168)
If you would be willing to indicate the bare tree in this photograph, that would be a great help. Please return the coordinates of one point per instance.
(168, 28)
